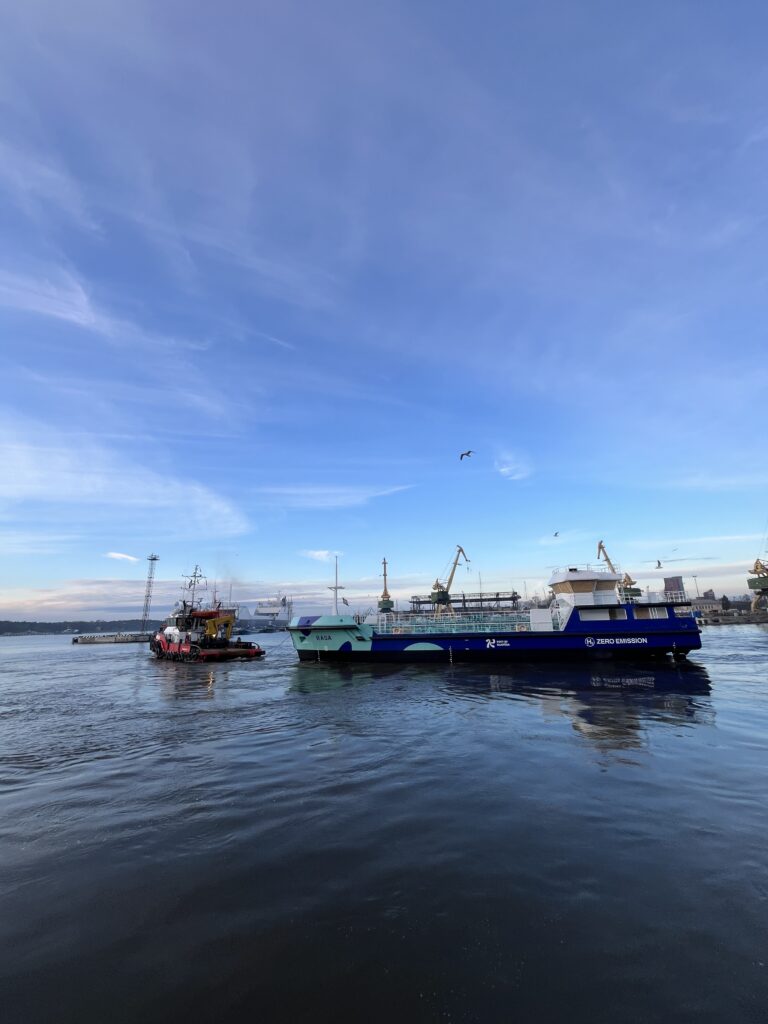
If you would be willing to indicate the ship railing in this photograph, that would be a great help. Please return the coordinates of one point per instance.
(612, 597)
(480, 623)
(599, 569)
(655, 596)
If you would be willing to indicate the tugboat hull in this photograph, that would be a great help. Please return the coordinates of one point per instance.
(189, 652)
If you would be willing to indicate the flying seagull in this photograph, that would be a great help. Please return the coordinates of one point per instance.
(556, 533)
(466, 455)
(690, 558)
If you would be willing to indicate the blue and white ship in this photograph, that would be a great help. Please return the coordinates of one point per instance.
(593, 615)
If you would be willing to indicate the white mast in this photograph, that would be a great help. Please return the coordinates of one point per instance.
(336, 588)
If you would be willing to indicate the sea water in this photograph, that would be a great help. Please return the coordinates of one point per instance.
(281, 842)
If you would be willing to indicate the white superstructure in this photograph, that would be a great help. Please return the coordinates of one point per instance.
(582, 587)
(265, 614)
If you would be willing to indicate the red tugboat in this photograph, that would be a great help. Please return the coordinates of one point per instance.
(192, 633)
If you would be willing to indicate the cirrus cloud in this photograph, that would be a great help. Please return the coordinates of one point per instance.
(319, 554)
(511, 466)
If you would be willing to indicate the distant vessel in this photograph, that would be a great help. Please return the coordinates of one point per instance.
(193, 633)
(267, 616)
(591, 616)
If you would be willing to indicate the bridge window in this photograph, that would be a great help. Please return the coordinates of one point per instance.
(651, 613)
(602, 614)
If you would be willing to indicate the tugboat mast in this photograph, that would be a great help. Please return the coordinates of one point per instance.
(194, 579)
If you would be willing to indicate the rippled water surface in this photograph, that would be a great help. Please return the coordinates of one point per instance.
(285, 842)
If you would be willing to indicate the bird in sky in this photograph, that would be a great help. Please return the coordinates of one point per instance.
(691, 558)
(466, 454)
(556, 533)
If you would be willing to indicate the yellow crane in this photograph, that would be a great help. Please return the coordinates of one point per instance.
(627, 583)
(601, 552)
(759, 583)
(441, 592)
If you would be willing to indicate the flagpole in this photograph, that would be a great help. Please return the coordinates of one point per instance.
(336, 588)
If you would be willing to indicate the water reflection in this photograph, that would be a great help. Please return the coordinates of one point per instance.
(187, 682)
(685, 677)
(321, 677)
(610, 706)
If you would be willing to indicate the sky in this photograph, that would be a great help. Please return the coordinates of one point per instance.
(267, 269)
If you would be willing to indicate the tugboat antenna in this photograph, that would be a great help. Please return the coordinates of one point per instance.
(194, 579)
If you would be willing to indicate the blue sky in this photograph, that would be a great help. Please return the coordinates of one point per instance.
(266, 269)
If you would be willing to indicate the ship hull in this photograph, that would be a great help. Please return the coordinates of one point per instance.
(341, 640)
(189, 652)
(507, 647)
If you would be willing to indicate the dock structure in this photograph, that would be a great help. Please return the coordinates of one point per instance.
(112, 638)
(489, 601)
(140, 637)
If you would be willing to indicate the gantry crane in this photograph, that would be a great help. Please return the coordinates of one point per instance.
(441, 592)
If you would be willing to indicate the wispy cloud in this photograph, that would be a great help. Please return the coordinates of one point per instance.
(724, 538)
(58, 294)
(733, 571)
(512, 466)
(566, 537)
(325, 497)
(119, 556)
(29, 542)
(36, 183)
(713, 482)
(284, 276)
(281, 342)
(320, 555)
(92, 477)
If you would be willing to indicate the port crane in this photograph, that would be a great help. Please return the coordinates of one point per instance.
(386, 604)
(759, 583)
(627, 584)
(602, 553)
(441, 592)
